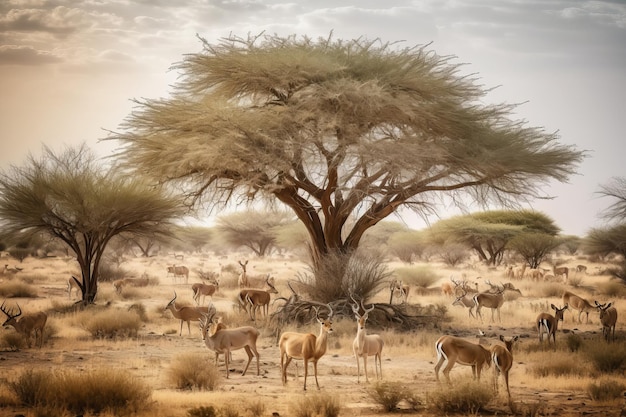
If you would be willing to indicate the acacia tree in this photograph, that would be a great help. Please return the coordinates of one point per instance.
(336, 130)
(253, 229)
(73, 198)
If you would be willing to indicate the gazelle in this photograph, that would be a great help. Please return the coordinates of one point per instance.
(488, 300)
(200, 289)
(578, 303)
(184, 314)
(457, 350)
(463, 301)
(27, 324)
(178, 271)
(305, 346)
(608, 318)
(561, 271)
(251, 281)
(398, 289)
(224, 340)
(502, 358)
(73, 283)
(365, 345)
(547, 323)
(252, 299)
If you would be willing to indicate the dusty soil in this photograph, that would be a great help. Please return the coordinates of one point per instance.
(150, 354)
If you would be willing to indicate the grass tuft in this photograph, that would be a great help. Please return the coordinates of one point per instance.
(193, 372)
(606, 357)
(318, 405)
(388, 394)
(606, 390)
(467, 397)
(112, 324)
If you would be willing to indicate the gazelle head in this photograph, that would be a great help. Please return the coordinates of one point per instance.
(208, 323)
(327, 324)
(558, 312)
(270, 283)
(361, 318)
(11, 318)
(171, 303)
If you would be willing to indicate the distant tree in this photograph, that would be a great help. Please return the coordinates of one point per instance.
(488, 233)
(336, 130)
(292, 237)
(570, 243)
(616, 190)
(533, 247)
(407, 245)
(72, 197)
(194, 237)
(452, 254)
(377, 236)
(254, 230)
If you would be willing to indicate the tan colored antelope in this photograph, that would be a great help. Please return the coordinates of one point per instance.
(561, 271)
(491, 301)
(26, 324)
(608, 318)
(398, 290)
(464, 301)
(457, 350)
(447, 289)
(502, 358)
(73, 283)
(305, 346)
(204, 290)
(365, 345)
(178, 271)
(253, 299)
(577, 303)
(547, 323)
(222, 340)
(581, 268)
(185, 314)
(251, 281)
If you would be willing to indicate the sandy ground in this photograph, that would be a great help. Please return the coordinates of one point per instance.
(149, 355)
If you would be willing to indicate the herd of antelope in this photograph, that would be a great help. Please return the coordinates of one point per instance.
(254, 297)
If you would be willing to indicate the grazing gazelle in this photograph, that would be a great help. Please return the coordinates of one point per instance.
(202, 290)
(27, 324)
(577, 303)
(305, 346)
(547, 323)
(608, 318)
(457, 350)
(365, 345)
(502, 357)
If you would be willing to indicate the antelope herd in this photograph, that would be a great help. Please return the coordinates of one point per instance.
(254, 298)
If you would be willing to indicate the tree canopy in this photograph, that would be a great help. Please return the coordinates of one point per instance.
(336, 130)
(73, 198)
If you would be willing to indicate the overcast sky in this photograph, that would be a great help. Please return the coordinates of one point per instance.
(69, 68)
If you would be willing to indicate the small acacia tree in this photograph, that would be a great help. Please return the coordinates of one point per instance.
(341, 132)
(254, 230)
(72, 197)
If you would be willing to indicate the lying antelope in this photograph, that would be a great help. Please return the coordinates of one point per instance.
(185, 314)
(364, 344)
(491, 301)
(27, 324)
(547, 323)
(204, 290)
(608, 318)
(222, 340)
(457, 350)
(578, 303)
(502, 357)
(305, 346)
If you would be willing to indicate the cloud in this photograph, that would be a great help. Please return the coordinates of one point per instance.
(60, 21)
(25, 55)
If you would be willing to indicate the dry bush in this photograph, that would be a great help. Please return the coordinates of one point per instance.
(606, 357)
(550, 289)
(193, 371)
(422, 276)
(13, 341)
(202, 411)
(466, 397)
(111, 323)
(28, 278)
(92, 391)
(317, 405)
(388, 394)
(562, 365)
(611, 289)
(17, 289)
(606, 390)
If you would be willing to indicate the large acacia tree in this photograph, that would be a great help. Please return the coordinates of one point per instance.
(72, 197)
(336, 130)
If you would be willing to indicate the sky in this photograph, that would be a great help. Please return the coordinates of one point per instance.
(69, 69)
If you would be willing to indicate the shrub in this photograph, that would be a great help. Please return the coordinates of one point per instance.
(318, 405)
(574, 342)
(552, 289)
(110, 273)
(605, 390)
(193, 371)
(564, 365)
(613, 288)
(388, 394)
(113, 324)
(79, 391)
(467, 397)
(422, 276)
(17, 289)
(606, 357)
(13, 341)
(208, 411)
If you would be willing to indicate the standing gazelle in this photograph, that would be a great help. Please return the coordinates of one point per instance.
(185, 314)
(27, 324)
(547, 323)
(577, 303)
(365, 345)
(608, 318)
(502, 357)
(305, 346)
(457, 350)
(488, 300)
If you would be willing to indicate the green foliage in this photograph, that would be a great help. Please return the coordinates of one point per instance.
(606, 357)
(422, 276)
(606, 389)
(465, 397)
(534, 248)
(388, 394)
(193, 372)
(316, 405)
(93, 391)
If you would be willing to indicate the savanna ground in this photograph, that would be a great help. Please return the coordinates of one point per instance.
(408, 358)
